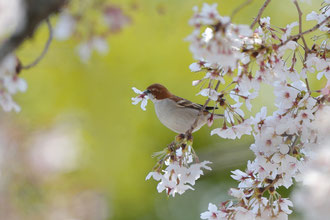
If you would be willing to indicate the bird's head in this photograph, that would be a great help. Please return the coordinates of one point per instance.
(157, 92)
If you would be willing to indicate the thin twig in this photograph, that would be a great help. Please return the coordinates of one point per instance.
(300, 27)
(271, 184)
(193, 126)
(297, 36)
(303, 39)
(293, 144)
(261, 10)
(36, 61)
(240, 7)
(307, 85)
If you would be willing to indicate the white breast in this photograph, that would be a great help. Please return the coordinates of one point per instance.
(176, 118)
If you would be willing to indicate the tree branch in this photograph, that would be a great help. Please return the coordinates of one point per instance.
(303, 39)
(261, 10)
(36, 11)
(36, 61)
(297, 36)
(300, 26)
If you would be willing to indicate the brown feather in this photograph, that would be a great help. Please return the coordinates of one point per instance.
(161, 92)
(188, 104)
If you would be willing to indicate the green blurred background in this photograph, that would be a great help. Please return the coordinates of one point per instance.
(118, 137)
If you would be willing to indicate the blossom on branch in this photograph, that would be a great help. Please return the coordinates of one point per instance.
(220, 45)
(177, 178)
(284, 139)
(91, 34)
(182, 167)
(10, 83)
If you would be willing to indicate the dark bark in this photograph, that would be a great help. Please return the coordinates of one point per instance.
(36, 12)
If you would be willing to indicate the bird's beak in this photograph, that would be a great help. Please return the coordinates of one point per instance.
(146, 92)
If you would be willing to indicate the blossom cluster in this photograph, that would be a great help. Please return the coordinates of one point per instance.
(91, 32)
(10, 83)
(182, 167)
(237, 61)
(285, 139)
(11, 20)
(219, 44)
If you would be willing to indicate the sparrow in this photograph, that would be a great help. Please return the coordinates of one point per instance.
(176, 113)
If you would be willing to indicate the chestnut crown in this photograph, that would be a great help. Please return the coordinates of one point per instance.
(159, 91)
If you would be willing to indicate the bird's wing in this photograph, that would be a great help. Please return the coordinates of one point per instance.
(184, 103)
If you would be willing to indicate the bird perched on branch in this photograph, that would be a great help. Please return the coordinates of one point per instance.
(176, 113)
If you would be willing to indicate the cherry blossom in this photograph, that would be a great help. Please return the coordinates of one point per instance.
(284, 139)
(115, 18)
(213, 213)
(85, 49)
(177, 179)
(233, 132)
(319, 17)
(71, 24)
(214, 46)
(10, 83)
(140, 98)
(288, 30)
(181, 171)
(211, 93)
(65, 26)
